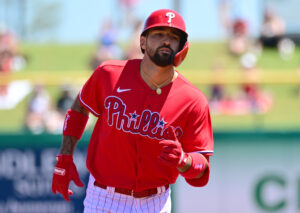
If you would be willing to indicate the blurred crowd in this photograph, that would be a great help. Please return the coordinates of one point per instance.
(251, 98)
(109, 47)
(11, 58)
(271, 35)
(44, 114)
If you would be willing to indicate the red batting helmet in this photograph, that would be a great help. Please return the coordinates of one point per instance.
(169, 18)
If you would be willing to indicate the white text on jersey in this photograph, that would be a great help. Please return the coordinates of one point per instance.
(148, 123)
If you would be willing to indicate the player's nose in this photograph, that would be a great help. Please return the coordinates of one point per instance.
(166, 40)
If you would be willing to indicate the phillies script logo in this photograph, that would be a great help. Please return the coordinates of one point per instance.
(149, 124)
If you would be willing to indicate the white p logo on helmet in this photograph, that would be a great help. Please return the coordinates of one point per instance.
(170, 15)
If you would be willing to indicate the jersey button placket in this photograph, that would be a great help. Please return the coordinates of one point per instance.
(149, 100)
(139, 161)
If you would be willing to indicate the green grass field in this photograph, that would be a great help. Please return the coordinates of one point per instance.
(59, 63)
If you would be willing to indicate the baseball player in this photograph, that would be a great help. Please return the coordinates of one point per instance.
(152, 126)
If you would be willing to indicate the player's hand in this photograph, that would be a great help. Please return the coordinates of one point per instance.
(65, 171)
(172, 153)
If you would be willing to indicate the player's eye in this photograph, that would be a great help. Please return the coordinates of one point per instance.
(159, 34)
(175, 37)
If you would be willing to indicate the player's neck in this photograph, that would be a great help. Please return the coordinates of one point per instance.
(156, 76)
(157, 73)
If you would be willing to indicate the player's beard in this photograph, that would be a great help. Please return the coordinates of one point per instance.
(161, 59)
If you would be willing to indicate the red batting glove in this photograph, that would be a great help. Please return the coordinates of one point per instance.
(172, 153)
(65, 171)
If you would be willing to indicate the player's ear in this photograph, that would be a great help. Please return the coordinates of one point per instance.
(143, 43)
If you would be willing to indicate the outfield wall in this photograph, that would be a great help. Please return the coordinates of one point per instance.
(26, 166)
(252, 172)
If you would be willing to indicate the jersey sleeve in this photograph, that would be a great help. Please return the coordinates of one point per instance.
(90, 94)
(198, 134)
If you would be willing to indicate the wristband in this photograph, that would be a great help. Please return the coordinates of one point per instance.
(64, 158)
(75, 123)
(198, 166)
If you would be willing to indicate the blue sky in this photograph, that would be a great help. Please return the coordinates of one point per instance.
(84, 17)
(80, 21)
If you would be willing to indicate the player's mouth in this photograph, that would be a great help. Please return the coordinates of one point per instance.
(165, 50)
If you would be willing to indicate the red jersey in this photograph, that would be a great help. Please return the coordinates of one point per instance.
(132, 119)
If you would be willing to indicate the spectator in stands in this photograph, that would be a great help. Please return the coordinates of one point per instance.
(272, 29)
(41, 116)
(133, 50)
(65, 100)
(55, 117)
(217, 89)
(250, 99)
(272, 34)
(38, 108)
(258, 100)
(107, 45)
(63, 104)
(237, 29)
(10, 57)
(127, 13)
(239, 41)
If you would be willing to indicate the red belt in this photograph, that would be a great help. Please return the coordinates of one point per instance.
(145, 193)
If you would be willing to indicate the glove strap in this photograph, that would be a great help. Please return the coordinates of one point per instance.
(62, 159)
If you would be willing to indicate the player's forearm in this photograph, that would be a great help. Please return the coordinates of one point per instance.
(68, 145)
(69, 141)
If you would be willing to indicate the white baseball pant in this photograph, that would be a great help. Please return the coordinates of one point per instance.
(100, 200)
